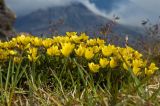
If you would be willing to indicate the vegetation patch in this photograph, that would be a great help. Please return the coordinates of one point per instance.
(74, 70)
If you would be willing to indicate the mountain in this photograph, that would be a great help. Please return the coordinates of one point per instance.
(75, 17)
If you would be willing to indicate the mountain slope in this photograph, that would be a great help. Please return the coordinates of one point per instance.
(75, 17)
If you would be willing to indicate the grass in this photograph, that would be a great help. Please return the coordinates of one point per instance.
(22, 88)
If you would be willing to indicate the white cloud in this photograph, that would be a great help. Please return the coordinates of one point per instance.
(93, 8)
(135, 11)
(149, 5)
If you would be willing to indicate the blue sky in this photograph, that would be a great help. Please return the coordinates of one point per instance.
(131, 12)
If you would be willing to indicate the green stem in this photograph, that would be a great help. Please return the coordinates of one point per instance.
(8, 76)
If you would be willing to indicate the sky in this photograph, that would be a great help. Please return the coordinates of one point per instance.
(131, 12)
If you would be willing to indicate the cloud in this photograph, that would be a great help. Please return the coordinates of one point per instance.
(149, 5)
(92, 7)
(135, 11)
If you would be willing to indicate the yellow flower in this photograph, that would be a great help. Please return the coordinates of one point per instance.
(32, 54)
(100, 42)
(137, 55)
(91, 42)
(153, 67)
(33, 51)
(151, 70)
(57, 39)
(5, 45)
(84, 37)
(67, 49)
(113, 63)
(52, 51)
(69, 34)
(108, 50)
(129, 49)
(12, 52)
(136, 70)
(126, 53)
(47, 42)
(3, 54)
(103, 62)
(61, 39)
(36, 41)
(22, 39)
(27, 46)
(76, 39)
(137, 63)
(80, 51)
(96, 49)
(89, 53)
(93, 67)
(11, 44)
(126, 65)
(17, 59)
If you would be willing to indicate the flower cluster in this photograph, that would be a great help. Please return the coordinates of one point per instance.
(98, 54)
